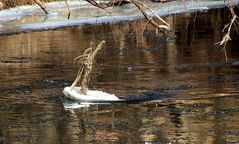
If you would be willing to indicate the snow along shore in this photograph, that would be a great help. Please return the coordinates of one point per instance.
(32, 18)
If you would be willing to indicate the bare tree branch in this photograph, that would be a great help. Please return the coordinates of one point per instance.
(143, 9)
(94, 3)
(227, 28)
(42, 5)
(69, 12)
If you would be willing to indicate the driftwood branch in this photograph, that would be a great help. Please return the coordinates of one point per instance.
(85, 62)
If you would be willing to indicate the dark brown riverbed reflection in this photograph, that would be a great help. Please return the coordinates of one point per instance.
(196, 92)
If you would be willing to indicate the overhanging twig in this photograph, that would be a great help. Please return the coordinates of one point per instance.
(94, 3)
(68, 9)
(42, 6)
(143, 9)
(227, 28)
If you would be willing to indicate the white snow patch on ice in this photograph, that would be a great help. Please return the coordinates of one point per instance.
(91, 96)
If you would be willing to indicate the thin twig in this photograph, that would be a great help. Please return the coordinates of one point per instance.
(227, 28)
(42, 6)
(143, 9)
(68, 9)
(145, 26)
(94, 3)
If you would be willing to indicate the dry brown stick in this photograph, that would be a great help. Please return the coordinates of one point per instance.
(154, 13)
(228, 27)
(143, 8)
(82, 59)
(42, 5)
(150, 19)
(78, 78)
(85, 61)
(225, 51)
(88, 68)
(83, 56)
(86, 76)
(94, 3)
(145, 26)
(95, 52)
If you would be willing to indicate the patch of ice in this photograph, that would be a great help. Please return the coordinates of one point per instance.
(91, 96)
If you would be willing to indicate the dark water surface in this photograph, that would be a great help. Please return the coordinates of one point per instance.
(195, 91)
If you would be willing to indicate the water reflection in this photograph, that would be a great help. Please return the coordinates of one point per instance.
(36, 66)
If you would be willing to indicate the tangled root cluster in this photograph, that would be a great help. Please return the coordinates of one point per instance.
(85, 63)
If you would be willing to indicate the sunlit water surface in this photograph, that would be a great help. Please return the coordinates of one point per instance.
(195, 92)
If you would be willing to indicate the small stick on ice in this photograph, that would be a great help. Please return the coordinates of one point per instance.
(42, 5)
(85, 62)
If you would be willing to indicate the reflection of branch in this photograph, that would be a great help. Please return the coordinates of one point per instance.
(94, 3)
(143, 9)
(227, 28)
(42, 5)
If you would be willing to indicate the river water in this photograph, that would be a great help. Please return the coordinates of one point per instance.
(188, 92)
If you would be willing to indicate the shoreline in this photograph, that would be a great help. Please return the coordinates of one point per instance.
(31, 18)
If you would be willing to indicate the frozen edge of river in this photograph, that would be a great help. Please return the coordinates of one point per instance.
(122, 13)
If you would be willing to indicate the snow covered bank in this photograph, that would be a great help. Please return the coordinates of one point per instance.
(32, 18)
(91, 96)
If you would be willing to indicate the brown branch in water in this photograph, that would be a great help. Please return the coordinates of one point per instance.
(143, 9)
(42, 6)
(101, 6)
(85, 62)
(227, 28)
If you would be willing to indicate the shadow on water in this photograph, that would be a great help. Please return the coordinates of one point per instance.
(184, 90)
